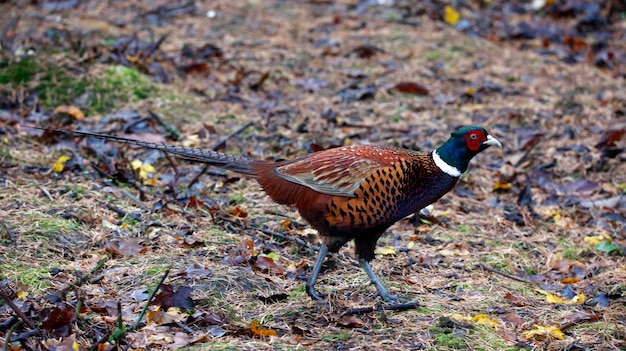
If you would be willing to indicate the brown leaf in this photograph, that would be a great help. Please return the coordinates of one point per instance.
(578, 317)
(169, 298)
(265, 263)
(514, 300)
(512, 318)
(258, 330)
(366, 51)
(351, 321)
(411, 88)
(125, 247)
(565, 266)
(238, 211)
(610, 137)
(72, 111)
(190, 241)
(58, 320)
(196, 271)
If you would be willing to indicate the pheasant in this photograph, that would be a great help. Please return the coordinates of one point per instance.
(349, 193)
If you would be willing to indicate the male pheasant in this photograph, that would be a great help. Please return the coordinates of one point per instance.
(349, 193)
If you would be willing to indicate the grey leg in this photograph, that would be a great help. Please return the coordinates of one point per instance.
(382, 290)
(310, 283)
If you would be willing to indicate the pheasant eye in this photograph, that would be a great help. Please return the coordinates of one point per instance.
(472, 141)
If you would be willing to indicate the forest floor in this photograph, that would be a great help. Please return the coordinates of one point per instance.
(527, 252)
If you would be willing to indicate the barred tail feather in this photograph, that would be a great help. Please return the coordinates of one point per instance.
(233, 163)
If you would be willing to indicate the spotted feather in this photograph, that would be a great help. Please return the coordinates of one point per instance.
(338, 172)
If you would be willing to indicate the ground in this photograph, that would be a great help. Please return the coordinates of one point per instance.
(527, 252)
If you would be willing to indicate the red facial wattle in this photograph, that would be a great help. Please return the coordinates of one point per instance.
(474, 139)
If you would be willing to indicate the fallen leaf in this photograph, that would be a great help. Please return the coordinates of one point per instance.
(576, 300)
(451, 16)
(541, 332)
(385, 250)
(125, 247)
(411, 88)
(238, 211)
(72, 111)
(144, 170)
(502, 186)
(351, 321)
(59, 165)
(258, 330)
(608, 247)
(485, 320)
(267, 264)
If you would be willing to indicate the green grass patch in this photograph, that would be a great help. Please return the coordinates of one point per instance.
(56, 85)
(27, 274)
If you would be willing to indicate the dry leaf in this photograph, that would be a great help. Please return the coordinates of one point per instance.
(542, 332)
(72, 111)
(485, 320)
(385, 250)
(451, 16)
(59, 165)
(258, 330)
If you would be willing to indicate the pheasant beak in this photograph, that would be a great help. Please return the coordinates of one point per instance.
(491, 141)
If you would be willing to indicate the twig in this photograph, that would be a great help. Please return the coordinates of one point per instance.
(85, 277)
(133, 198)
(17, 310)
(510, 276)
(9, 233)
(218, 145)
(381, 307)
(271, 233)
(175, 134)
(145, 308)
(45, 191)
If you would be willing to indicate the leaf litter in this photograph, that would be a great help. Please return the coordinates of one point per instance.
(545, 218)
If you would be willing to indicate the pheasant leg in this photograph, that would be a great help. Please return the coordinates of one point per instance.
(310, 283)
(383, 292)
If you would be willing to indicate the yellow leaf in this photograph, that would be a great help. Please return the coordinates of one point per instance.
(71, 111)
(542, 332)
(460, 317)
(451, 16)
(22, 295)
(485, 320)
(75, 346)
(143, 169)
(594, 240)
(385, 250)
(576, 300)
(59, 165)
(502, 186)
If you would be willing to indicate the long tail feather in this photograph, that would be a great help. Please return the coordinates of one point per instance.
(233, 163)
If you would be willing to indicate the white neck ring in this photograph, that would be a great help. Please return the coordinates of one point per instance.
(445, 168)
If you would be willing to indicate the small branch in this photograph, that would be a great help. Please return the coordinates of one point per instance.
(175, 134)
(85, 277)
(9, 233)
(381, 307)
(271, 233)
(45, 191)
(17, 310)
(145, 308)
(510, 276)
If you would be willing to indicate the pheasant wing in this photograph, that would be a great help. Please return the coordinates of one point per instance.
(337, 171)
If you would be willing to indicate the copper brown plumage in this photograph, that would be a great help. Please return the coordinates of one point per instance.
(349, 193)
